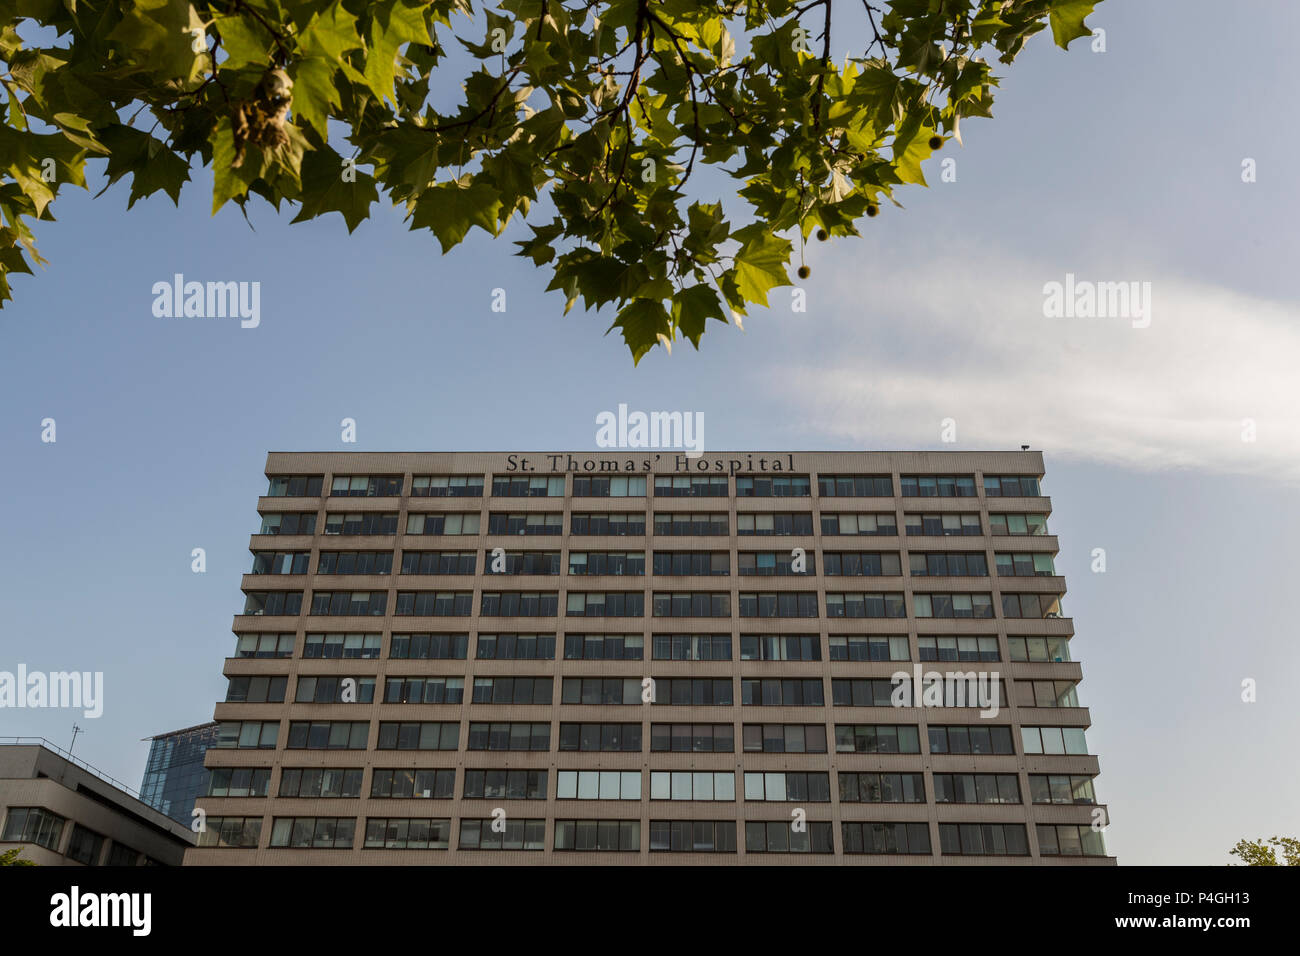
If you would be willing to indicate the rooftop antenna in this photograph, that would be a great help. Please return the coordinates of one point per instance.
(1024, 448)
(75, 730)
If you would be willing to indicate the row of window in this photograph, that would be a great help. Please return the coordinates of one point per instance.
(45, 828)
(531, 736)
(852, 604)
(747, 486)
(624, 836)
(697, 524)
(664, 647)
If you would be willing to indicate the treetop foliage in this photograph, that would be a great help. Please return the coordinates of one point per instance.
(602, 108)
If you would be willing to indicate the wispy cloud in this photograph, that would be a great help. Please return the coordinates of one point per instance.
(902, 344)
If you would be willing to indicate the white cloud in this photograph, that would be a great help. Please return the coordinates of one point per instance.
(904, 344)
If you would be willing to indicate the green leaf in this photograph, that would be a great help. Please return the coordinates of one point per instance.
(693, 307)
(1066, 17)
(644, 324)
(450, 209)
(326, 188)
(315, 94)
(760, 265)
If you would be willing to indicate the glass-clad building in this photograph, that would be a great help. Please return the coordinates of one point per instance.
(175, 774)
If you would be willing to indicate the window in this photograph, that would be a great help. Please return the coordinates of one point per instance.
(692, 836)
(356, 562)
(442, 562)
(782, 692)
(429, 647)
(1067, 789)
(447, 486)
(983, 839)
(774, 523)
(777, 647)
(510, 486)
(366, 486)
(280, 562)
(886, 838)
(952, 605)
(970, 740)
(940, 525)
(606, 562)
(598, 785)
(865, 692)
(953, 564)
(609, 738)
(863, 563)
(1011, 486)
(877, 739)
(788, 787)
(772, 563)
(692, 785)
(328, 735)
(937, 486)
(273, 603)
(1031, 605)
(519, 604)
(1070, 839)
(407, 833)
(777, 836)
(1024, 564)
(1053, 740)
(295, 486)
(240, 782)
(435, 603)
(442, 523)
(256, 690)
(1053, 649)
(121, 855)
(418, 735)
(1046, 693)
(342, 646)
(784, 738)
(508, 736)
(883, 523)
(976, 788)
(512, 690)
(424, 690)
(349, 603)
(289, 522)
(632, 486)
(84, 846)
(240, 832)
(868, 648)
(780, 486)
(691, 647)
(604, 647)
(694, 691)
(315, 833)
(33, 825)
(859, 604)
(505, 784)
(600, 690)
(693, 738)
(1000, 524)
(692, 604)
(248, 734)
(598, 835)
(881, 787)
(855, 486)
(778, 604)
(597, 523)
(966, 649)
(692, 523)
(692, 563)
(691, 486)
(518, 835)
(320, 783)
(367, 522)
(605, 604)
(512, 647)
(411, 783)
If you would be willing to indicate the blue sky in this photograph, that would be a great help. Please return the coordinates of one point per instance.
(1123, 165)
